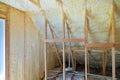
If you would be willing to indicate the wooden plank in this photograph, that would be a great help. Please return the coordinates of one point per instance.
(113, 41)
(86, 48)
(63, 43)
(100, 45)
(45, 49)
(7, 46)
(64, 40)
(117, 45)
(77, 50)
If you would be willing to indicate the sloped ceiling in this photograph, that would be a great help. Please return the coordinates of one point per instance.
(99, 16)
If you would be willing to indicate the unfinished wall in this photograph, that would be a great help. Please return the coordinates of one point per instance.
(26, 60)
(34, 44)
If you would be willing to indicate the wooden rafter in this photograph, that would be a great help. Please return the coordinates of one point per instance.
(57, 51)
(65, 40)
(45, 49)
(100, 45)
(86, 49)
(113, 41)
(81, 51)
(63, 43)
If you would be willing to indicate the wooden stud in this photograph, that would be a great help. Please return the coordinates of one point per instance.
(45, 49)
(100, 45)
(63, 43)
(7, 46)
(113, 41)
(64, 40)
(81, 51)
(88, 54)
(86, 50)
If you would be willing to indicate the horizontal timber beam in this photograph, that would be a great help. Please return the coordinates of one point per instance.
(100, 45)
(79, 51)
(64, 40)
(103, 45)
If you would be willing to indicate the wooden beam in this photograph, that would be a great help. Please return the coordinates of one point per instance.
(45, 49)
(113, 41)
(80, 51)
(64, 40)
(117, 45)
(100, 45)
(63, 43)
(57, 51)
(7, 46)
(86, 49)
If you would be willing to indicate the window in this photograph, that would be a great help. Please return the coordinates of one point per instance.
(2, 49)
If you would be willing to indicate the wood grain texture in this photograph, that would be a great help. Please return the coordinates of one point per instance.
(24, 46)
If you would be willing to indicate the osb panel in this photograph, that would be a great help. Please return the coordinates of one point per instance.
(16, 45)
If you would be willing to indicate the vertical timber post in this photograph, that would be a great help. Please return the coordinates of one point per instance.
(45, 49)
(63, 29)
(86, 36)
(64, 77)
(113, 48)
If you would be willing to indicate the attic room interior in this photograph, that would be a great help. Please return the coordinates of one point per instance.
(59, 39)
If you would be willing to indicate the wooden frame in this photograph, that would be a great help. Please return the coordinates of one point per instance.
(113, 41)
(45, 49)
(63, 43)
(7, 45)
(86, 41)
(87, 45)
(64, 40)
(7, 42)
(100, 45)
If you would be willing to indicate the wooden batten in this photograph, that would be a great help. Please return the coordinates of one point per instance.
(45, 49)
(113, 41)
(63, 43)
(100, 45)
(86, 48)
(65, 40)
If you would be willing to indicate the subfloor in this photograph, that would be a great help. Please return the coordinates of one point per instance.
(56, 74)
(98, 71)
